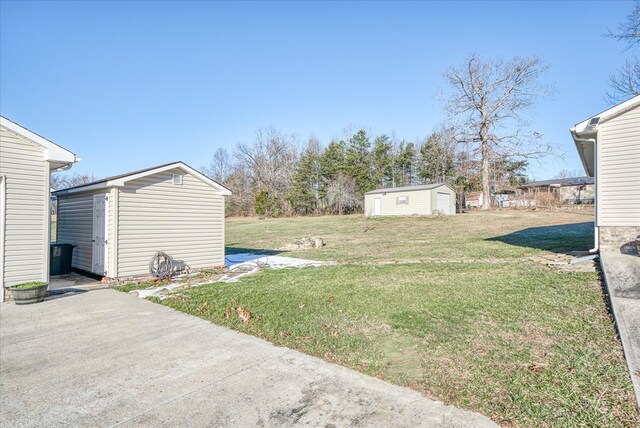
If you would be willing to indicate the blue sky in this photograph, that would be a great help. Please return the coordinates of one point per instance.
(128, 85)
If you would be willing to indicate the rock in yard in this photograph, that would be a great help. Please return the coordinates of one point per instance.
(306, 242)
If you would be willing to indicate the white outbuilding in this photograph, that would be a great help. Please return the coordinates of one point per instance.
(428, 199)
(119, 223)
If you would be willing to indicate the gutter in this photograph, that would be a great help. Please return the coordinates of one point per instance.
(67, 166)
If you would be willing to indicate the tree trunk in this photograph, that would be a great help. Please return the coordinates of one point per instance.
(484, 150)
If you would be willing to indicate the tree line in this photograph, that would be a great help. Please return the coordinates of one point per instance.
(277, 175)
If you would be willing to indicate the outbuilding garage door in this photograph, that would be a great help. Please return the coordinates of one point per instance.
(444, 203)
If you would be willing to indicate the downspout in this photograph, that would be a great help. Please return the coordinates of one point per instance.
(596, 233)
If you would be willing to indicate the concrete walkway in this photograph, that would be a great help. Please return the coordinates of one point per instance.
(622, 276)
(104, 358)
(74, 281)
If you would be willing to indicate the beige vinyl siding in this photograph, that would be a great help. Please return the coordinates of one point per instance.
(619, 170)
(419, 203)
(452, 198)
(27, 205)
(75, 226)
(186, 221)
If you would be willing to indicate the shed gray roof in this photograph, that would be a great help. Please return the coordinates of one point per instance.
(118, 180)
(571, 181)
(407, 188)
(115, 177)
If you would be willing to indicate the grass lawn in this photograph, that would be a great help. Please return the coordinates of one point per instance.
(498, 333)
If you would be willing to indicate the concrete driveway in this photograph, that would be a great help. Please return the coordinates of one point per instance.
(103, 358)
(622, 278)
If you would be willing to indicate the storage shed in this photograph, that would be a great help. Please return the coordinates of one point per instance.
(427, 199)
(119, 223)
(609, 146)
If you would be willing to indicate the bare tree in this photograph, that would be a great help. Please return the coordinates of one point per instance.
(220, 166)
(625, 83)
(61, 180)
(629, 29)
(241, 201)
(342, 194)
(269, 161)
(569, 173)
(488, 104)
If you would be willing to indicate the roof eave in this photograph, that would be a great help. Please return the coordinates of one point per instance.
(581, 141)
(119, 182)
(52, 151)
(609, 113)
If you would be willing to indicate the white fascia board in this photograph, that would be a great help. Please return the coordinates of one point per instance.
(608, 114)
(219, 187)
(186, 168)
(52, 152)
(102, 185)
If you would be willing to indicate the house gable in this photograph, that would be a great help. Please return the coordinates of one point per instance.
(57, 155)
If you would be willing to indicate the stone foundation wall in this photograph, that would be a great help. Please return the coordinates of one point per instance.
(619, 238)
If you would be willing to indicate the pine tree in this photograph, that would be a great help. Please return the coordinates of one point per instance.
(358, 161)
(404, 165)
(332, 164)
(305, 183)
(382, 161)
(436, 160)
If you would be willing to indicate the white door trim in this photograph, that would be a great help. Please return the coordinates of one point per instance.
(105, 261)
(447, 210)
(377, 206)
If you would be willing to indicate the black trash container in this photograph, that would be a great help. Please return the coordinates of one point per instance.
(60, 259)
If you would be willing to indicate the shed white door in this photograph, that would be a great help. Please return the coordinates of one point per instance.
(99, 250)
(444, 203)
(377, 206)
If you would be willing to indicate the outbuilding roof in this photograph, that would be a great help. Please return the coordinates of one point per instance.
(120, 180)
(408, 188)
(571, 181)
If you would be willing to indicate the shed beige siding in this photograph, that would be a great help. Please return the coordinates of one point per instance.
(419, 203)
(75, 226)
(619, 170)
(185, 221)
(26, 231)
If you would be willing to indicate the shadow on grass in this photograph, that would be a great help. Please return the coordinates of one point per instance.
(562, 238)
(238, 250)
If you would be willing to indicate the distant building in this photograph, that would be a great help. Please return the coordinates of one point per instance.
(473, 200)
(574, 190)
(428, 199)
